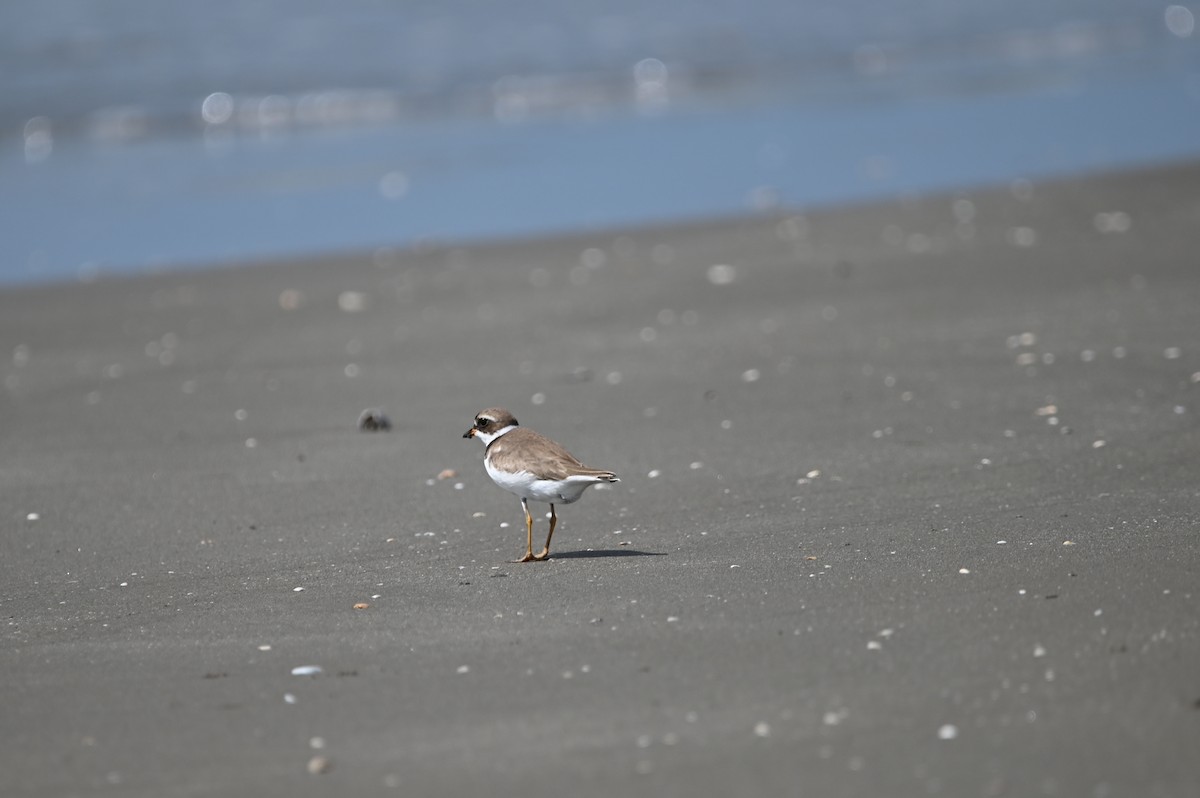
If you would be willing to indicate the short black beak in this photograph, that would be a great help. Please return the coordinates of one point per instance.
(469, 433)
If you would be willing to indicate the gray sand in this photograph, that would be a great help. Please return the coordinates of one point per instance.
(909, 506)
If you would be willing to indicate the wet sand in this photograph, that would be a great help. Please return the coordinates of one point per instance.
(909, 506)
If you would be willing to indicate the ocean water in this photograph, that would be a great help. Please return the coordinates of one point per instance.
(144, 136)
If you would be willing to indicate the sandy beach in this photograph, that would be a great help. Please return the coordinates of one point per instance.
(909, 505)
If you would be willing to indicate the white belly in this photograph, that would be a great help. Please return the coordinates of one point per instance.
(527, 486)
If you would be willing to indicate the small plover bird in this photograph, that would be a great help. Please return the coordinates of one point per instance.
(533, 467)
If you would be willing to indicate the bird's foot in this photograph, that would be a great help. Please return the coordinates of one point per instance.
(527, 558)
(544, 554)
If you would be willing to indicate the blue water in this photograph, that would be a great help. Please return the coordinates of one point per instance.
(138, 136)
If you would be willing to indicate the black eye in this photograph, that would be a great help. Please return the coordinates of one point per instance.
(481, 422)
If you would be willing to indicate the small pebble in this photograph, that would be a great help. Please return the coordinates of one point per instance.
(947, 732)
(373, 420)
(447, 473)
(306, 670)
(362, 605)
(762, 730)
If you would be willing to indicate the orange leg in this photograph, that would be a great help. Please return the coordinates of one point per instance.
(545, 552)
(528, 533)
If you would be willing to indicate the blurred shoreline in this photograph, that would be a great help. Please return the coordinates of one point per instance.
(545, 124)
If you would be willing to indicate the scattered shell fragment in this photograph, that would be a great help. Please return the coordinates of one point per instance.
(306, 670)
(1112, 222)
(1022, 236)
(762, 729)
(361, 605)
(352, 301)
(320, 764)
(290, 299)
(721, 274)
(947, 731)
(447, 473)
(1047, 410)
(373, 420)
(834, 717)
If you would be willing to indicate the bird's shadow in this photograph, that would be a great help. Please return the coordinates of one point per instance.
(587, 553)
